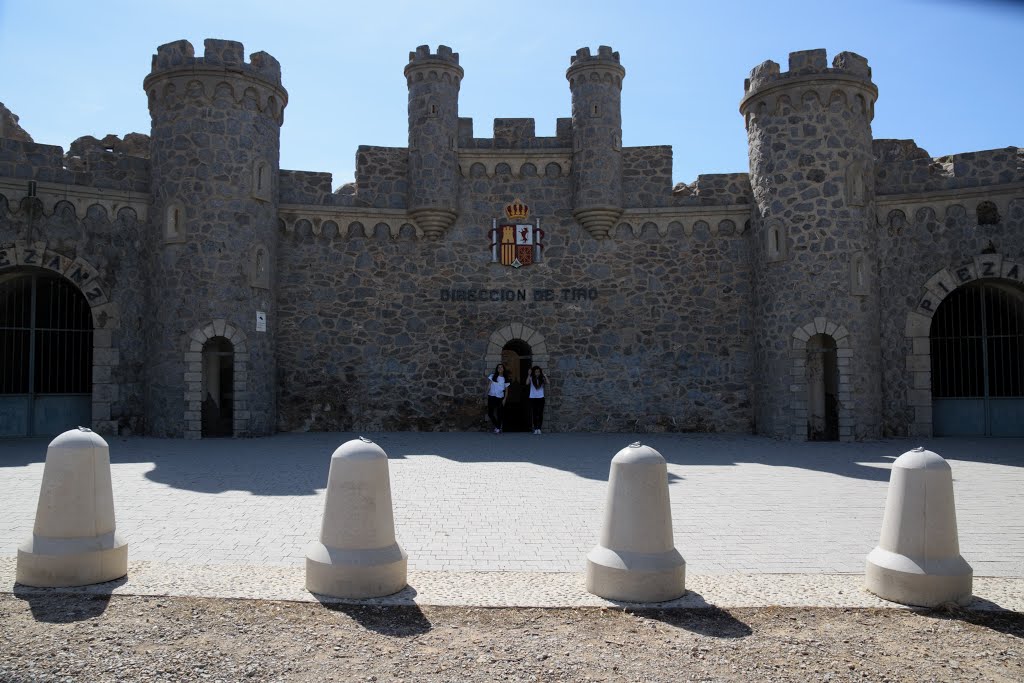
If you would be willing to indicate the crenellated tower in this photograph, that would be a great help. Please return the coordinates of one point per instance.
(433, 80)
(212, 241)
(596, 85)
(814, 249)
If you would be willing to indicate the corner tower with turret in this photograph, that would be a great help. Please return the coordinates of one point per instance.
(212, 241)
(596, 85)
(433, 80)
(814, 250)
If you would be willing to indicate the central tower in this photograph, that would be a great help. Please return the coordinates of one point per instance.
(433, 81)
(596, 85)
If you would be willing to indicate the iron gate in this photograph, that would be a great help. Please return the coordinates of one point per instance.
(45, 355)
(977, 348)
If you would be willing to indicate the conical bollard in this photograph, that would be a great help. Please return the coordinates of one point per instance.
(74, 541)
(357, 556)
(917, 560)
(636, 560)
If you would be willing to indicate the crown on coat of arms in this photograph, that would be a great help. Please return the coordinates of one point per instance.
(517, 211)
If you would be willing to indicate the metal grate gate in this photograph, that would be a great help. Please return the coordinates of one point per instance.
(45, 355)
(977, 351)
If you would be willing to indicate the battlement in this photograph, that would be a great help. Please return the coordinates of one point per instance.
(583, 56)
(87, 164)
(603, 66)
(9, 127)
(808, 63)
(423, 54)
(902, 167)
(516, 134)
(224, 54)
(712, 189)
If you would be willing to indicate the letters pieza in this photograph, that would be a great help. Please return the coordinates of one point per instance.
(499, 295)
(966, 274)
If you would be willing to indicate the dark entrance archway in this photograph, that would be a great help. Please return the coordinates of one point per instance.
(822, 389)
(977, 361)
(46, 338)
(517, 357)
(218, 387)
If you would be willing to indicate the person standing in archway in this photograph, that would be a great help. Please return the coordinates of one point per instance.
(537, 382)
(497, 385)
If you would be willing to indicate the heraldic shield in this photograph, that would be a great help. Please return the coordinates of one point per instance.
(516, 244)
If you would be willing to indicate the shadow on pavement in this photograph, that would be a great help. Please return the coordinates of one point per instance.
(297, 464)
(67, 605)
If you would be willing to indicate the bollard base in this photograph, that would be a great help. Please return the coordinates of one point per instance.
(356, 573)
(901, 579)
(636, 577)
(60, 563)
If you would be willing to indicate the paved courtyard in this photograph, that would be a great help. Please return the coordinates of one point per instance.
(472, 503)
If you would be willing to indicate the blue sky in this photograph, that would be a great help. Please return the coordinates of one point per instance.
(949, 72)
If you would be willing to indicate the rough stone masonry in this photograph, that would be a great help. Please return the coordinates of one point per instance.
(230, 297)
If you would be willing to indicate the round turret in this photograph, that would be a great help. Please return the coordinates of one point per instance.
(215, 142)
(596, 85)
(814, 246)
(433, 80)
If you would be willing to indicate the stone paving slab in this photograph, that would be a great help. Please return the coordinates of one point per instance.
(524, 504)
(511, 589)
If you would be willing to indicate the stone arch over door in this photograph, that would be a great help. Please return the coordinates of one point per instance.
(105, 319)
(194, 377)
(799, 388)
(919, 324)
(512, 332)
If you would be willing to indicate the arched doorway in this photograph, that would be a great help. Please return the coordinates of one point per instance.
(822, 371)
(218, 387)
(977, 361)
(46, 339)
(517, 357)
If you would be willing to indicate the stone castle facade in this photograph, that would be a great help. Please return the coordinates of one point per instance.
(229, 296)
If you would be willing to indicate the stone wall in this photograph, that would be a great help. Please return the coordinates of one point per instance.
(102, 255)
(640, 333)
(304, 187)
(903, 167)
(382, 177)
(913, 250)
(86, 165)
(647, 176)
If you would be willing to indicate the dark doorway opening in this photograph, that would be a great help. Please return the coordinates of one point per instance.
(518, 358)
(218, 387)
(822, 389)
(977, 351)
(46, 337)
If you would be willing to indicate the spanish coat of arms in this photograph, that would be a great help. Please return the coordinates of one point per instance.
(516, 243)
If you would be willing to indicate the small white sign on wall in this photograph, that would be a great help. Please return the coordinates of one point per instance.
(261, 321)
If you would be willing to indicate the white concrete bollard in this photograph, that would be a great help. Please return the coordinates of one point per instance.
(74, 541)
(357, 556)
(636, 560)
(917, 560)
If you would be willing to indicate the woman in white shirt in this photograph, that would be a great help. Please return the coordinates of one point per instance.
(496, 396)
(537, 382)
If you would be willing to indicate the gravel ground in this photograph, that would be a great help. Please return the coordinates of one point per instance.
(95, 638)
